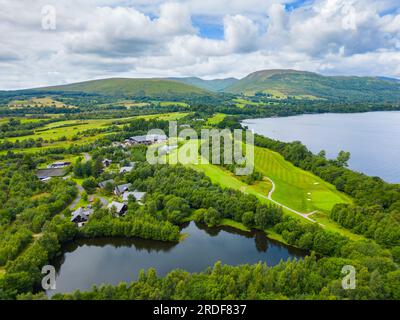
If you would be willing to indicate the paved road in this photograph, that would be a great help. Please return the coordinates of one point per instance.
(80, 189)
(78, 197)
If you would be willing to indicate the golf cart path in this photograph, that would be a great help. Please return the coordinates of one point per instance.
(269, 197)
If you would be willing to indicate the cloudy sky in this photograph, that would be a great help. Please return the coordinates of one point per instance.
(61, 41)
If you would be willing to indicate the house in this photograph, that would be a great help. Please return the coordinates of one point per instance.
(103, 183)
(136, 194)
(147, 139)
(121, 188)
(126, 169)
(106, 162)
(81, 216)
(44, 174)
(61, 164)
(120, 208)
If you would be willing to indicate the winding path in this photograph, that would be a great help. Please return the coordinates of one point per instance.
(78, 197)
(269, 197)
(80, 188)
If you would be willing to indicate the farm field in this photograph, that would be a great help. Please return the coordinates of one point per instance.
(39, 103)
(216, 118)
(72, 128)
(173, 103)
(241, 103)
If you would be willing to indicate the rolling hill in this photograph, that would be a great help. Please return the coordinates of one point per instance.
(277, 83)
(215, 85)
(301, 84)
(130, 87)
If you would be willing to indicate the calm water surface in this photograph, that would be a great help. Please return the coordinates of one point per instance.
(111, 261)
(372, 138)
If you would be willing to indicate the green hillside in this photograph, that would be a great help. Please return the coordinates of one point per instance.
(300, 84)
(130, 87)
(214, 85)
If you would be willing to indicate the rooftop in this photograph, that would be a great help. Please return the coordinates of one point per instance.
(138, 195)
(117, 205)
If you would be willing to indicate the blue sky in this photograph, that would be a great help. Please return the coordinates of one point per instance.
(95, 39)
(209, 28)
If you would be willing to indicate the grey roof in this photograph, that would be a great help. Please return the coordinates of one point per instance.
(149, 138)
(126, 169)
(119, 206)
(122, 187)
(103, 183)
(136, 194)
(81, 212)
(59, 164)
(53, 172)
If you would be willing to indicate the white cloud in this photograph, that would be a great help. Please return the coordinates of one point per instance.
(136, 38)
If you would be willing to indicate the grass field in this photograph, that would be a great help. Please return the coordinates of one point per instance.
(293, 188)
(173, 103)
(39, 103)
(226, 179)
(296, 188)
(241, 103)
(216, 118)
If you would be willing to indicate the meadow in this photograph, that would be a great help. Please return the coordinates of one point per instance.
(216, 118)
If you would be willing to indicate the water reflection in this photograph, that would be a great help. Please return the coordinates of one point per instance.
(98, 261)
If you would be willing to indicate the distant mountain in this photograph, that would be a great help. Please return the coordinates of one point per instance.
(214, 85)
(279, 84)
(389, 79)
(301, 84)
(130, 87)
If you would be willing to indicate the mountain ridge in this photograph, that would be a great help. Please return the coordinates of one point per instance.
(305, 84)
(275, 83)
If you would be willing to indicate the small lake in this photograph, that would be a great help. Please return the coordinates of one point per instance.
(88, 262)
(372, 138)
